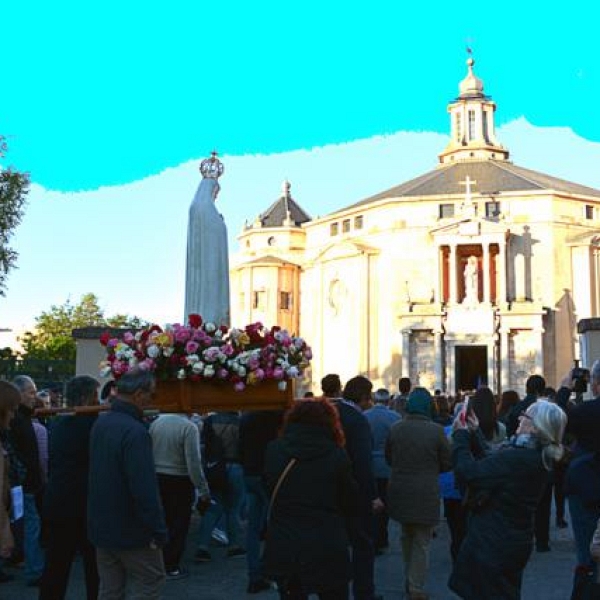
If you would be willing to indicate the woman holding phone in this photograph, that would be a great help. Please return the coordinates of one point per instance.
(507, 485)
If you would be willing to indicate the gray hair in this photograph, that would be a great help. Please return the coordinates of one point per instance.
(381, 396)
(549, 421)
(134, 380)
(22, 381)
(80, 390)
(595, 372)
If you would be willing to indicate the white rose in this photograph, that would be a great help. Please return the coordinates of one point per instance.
(293, 372)
(153, 351)
(181, 374)
(242, 371)
(198, 367)
(209, 371)
(192, 359)
(218, 334)
(210, 327)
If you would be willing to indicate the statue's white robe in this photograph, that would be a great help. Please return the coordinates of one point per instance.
(207, 265)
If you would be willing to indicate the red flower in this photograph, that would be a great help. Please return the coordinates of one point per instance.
(195, 320)
(224, 329)
(104, 338)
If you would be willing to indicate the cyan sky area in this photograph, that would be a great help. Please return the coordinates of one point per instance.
(108, 93)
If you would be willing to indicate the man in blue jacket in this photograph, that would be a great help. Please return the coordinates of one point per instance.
(381, 418)
(126, 522)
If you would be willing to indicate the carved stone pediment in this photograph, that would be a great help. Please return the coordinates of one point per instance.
(467, 229)
(345, 249)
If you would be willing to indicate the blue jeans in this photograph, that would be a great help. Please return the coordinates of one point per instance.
(583, 522)
(228, 504)
(258, 501)
(34, 555)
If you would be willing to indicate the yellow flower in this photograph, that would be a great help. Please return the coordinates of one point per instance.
(243, 339)
(163, 339)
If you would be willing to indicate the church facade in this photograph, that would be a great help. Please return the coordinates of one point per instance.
(473, 273)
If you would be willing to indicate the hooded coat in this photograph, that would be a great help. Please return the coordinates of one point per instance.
(306, 535)
(417, 451)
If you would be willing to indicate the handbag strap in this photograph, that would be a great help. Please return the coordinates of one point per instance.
(283, 475)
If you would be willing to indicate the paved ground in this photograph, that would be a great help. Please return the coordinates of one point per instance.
(547, 577)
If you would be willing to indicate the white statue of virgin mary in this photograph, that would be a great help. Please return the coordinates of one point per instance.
(207, 265)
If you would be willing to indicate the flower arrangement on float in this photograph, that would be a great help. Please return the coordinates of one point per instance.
(202, 351)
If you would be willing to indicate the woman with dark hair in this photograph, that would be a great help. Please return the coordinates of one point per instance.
(508, 401)
(312, 489)
(483, 405)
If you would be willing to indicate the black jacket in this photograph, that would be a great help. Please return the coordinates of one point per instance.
(584, 425)
(65, 497)
(124, 508)
(508, 485)
(359, 446)
(512, 421)
(24, 442)
(257, 429)
(306, 534)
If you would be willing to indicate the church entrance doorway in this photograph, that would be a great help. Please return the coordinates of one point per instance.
(471, 367)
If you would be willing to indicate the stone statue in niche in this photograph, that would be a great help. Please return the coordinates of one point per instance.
(471, 274)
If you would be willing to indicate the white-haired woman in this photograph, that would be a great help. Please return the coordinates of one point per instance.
(505, 488)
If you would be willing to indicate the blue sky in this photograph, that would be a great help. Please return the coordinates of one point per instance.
(111, 106)
(110, 92)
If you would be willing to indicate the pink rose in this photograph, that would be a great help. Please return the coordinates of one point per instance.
(222, 373)
(253, 363)
(278, 373)
(191, 347)
(183, 335)
(147, 365)
(128, 337)
(239, 386)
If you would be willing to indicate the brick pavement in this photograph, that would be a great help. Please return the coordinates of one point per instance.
(547, 577)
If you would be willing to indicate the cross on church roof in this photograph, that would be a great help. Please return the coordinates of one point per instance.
(468, 207)
(468, 182)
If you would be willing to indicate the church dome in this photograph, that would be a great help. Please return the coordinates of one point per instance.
(471, 85)
(285, 211)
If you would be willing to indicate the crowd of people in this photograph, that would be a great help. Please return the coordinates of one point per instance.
(305, 496)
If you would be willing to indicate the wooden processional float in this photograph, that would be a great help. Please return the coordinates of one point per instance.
(202, 397)
(254, 368)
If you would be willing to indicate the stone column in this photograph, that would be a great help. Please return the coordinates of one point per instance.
(437, 296)
(452, 274)
(438, 352)
(490, 365)
(539, 350)
(501, 274)
(504, 359)
(406, 352)
(486, 273)
(450, 379)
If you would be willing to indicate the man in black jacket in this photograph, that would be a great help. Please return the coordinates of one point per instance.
(126, 522)
(65, 497)
(359, 446)
(23, 440)
(257, 429)
(534, 388)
